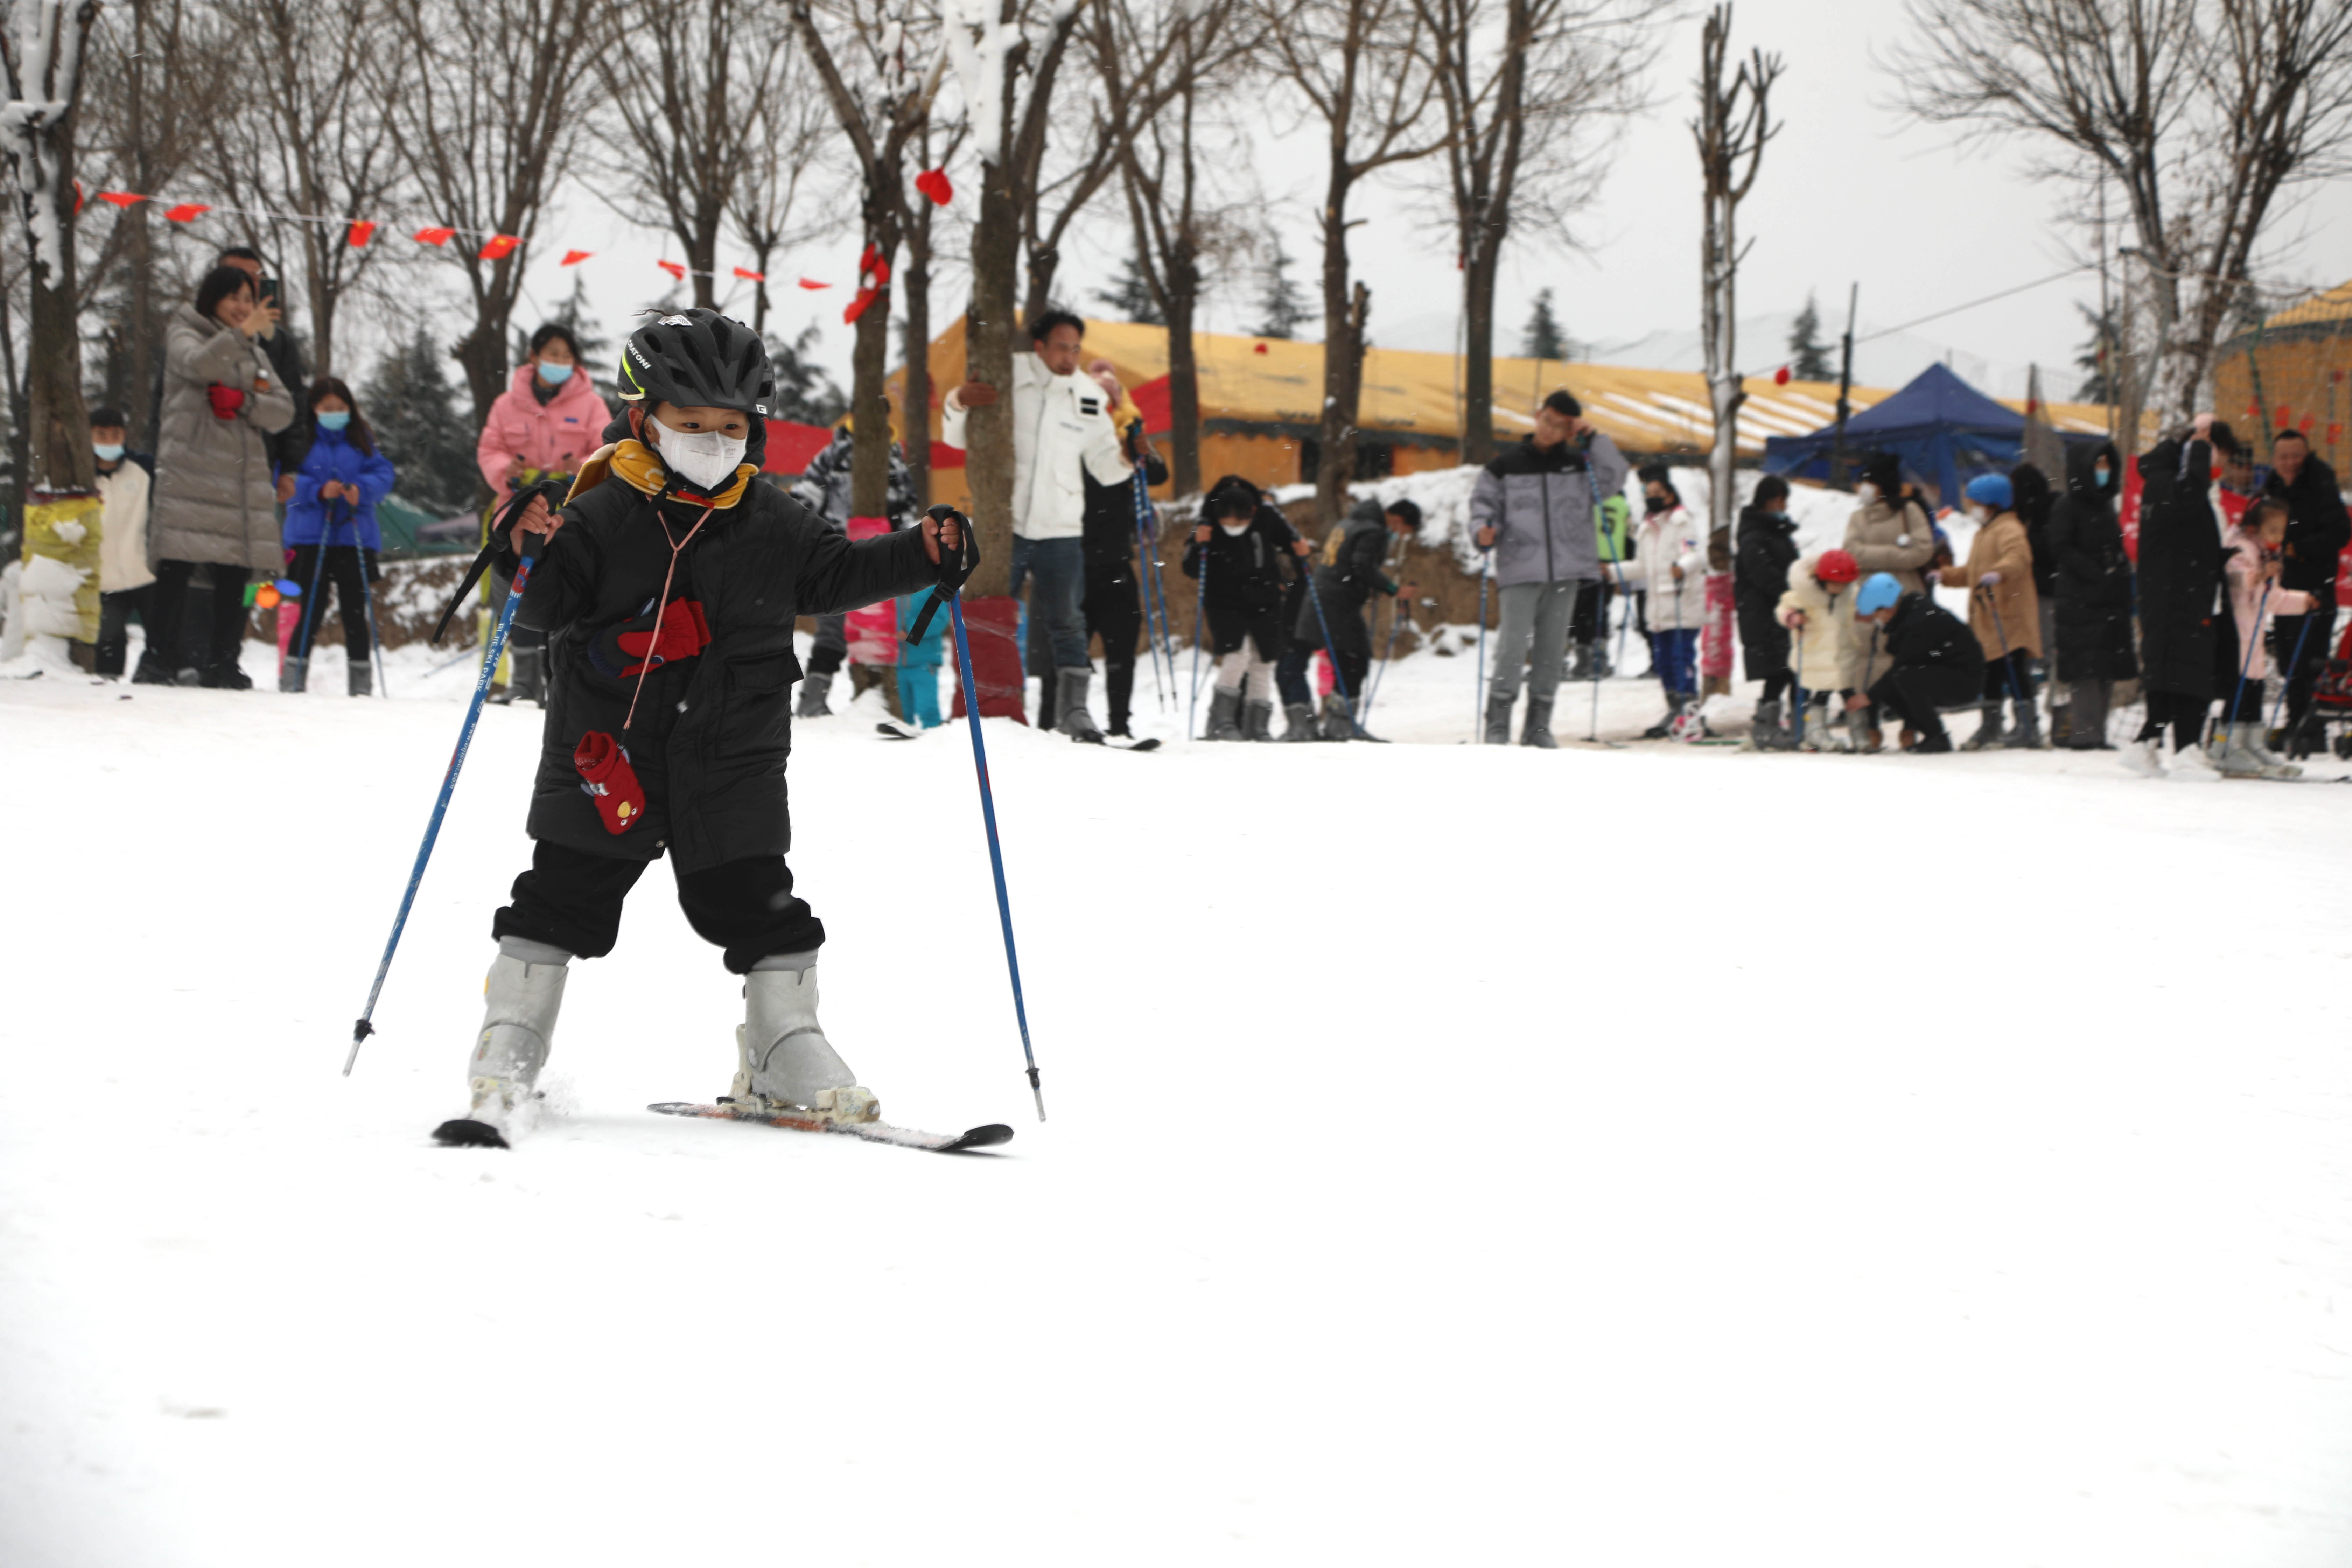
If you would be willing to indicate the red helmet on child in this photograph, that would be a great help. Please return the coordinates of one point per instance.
(1836, 566)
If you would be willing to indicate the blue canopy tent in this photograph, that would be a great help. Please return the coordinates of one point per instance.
(1945, 432)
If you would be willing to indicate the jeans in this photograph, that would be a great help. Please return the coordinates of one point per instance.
(1676, 653)
(1056, 569)
(1290, 676)
(572, 900)
(1535, 616)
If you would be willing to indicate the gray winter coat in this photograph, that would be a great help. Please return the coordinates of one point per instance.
(216, 495)
(1539, 504)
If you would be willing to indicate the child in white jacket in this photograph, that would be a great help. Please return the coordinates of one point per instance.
(1669, 562)
(1818, 609)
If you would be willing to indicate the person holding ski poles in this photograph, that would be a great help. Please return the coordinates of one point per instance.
(1533, 506)
(1818, 610)
(2254, 564)
(2317, 530)
(1588, 628)
(2003, 611)
(1112, 604)
(669, 583)
(1768, 548)
(1241, 540)
(1332, 614)
(338, 476)
(1670, 552)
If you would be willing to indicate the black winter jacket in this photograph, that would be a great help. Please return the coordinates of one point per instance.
(712, 733)
(1243, 597)
(1768, 548)
(2317, 528)
(2032, 500)
(1925, 636)
(2180, 569)
(1108, 526)
(1348, 583)
(2093, 576)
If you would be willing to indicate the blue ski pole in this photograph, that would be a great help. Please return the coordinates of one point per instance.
(2246, 663)
(2293, 665)
(2008, 665)
(367, 602)
(530, 545)
(995, 850)
(301, 663)
(1331, 652)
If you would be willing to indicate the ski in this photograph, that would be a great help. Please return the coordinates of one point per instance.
(891, 730)
(1108, 744)
(894, 731)
(872, 1131)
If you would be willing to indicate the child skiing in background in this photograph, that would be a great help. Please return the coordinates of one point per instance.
(2251, 566)
(1332, 618)
(1242, 541)
(918, 664)
(1670, 555)
(1818, 610)
(339, 476)
(669, 585)
(1768, 548)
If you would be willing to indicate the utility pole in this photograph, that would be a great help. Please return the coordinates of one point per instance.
(1845, 393)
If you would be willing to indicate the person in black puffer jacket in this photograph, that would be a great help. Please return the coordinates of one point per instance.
(668, 586)
(1938, 662)
(1111, 602)
(2092, 584)
(1768, 548)
(1332, 618)
(2317, 530)
(1241, 542)
(2180, 582)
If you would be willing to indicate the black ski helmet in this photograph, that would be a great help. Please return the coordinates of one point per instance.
(697, 358)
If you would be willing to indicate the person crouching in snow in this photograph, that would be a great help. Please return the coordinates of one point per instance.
(1818, 610)
(2004, 611)
(667, 585)
(1241, 541)
(1669, 555)
(2252, 566)
(1936, 660)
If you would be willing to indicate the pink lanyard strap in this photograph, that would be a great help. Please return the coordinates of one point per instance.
(661, 606)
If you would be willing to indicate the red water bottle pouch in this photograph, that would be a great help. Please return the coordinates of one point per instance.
(609, 781)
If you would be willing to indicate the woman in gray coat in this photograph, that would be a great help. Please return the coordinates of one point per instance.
(215, 496)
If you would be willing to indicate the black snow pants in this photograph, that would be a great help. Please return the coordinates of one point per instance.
(572, 900)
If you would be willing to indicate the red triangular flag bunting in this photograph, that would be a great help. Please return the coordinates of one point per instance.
(361, 231)
(574, 258)
(499, 246)
(813, 283)
(749, 276)
(434, 235)
(675, 269)
(121, 198)
(857, 307)
(186, 212)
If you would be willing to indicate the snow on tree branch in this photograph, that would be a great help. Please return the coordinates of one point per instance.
(44, 67)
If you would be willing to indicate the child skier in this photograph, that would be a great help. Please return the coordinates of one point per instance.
(338, 476)
(2252, 566)
(1332, 617)
(1818, 608)
(1670, 553)
(1242, 541)
(669, 585)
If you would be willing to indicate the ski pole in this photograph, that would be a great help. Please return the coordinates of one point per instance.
(1477, 698)
(1144, 530)
(995, 850)
(310, 604)
(1600, 612)
(2246, 663)
(1200, 602)
(367, 601)
(2293, 665)
(529, 544)
(1372, 689)
(1331, 652)
(2008, 665)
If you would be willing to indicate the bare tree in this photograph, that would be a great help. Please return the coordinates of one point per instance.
(1734, 123)
(1162, 69)
(314, 142)
(922, 260)
(1007, 77)
(790, 146)
(1528, 89)
(688, 83)
(2204, 113)
(882, 99)
(1057, 201)
(489, 160)
(1361, 67)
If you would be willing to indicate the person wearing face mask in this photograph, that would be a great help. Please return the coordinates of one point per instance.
(215, 496)
(669, 583)
(1241, 541)
(1669, 556)
(2317, 530)
(338, 481)
(2003, 611)
(125, 482)
(2092, 584)
(1890, 531)
(1768, 548)
(2179, 596)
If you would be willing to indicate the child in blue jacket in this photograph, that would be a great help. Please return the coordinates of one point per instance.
(337, 482)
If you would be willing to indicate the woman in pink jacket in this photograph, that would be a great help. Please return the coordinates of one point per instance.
(546, 422)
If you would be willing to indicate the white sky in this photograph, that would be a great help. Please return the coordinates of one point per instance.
(1849, 193)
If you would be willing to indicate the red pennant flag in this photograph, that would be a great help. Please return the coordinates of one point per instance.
(857, 307)
(1259, 350)
(2283, 415)
(574, 258)
(1781, 376)
(361, 231)
(2304, 424)
(749, 276)
(813, 283)
(675, 269)
(186, 212)
(499, 246)
(933, 183)
(121, 198)
(2332, 432)
(434, 235)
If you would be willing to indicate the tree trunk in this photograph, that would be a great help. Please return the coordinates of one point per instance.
(1725, 395)
(1478, 277)
(915, 397)
(1335, 461)
(869, 404)
(702, 258)
(143, 319)
(1183, 380)
(482, 354)
(988, 357)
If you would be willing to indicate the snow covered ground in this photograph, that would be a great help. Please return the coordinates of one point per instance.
(1648, 1156)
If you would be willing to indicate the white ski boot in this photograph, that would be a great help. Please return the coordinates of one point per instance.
(783, 1062)
(523, 993)
(2242, 755)
(2193, 767)
(2145, 758)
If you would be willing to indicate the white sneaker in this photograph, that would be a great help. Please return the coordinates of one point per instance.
(2192, 766)
(2145, 758)
(782, 1058)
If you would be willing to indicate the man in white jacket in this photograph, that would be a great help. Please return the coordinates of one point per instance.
(1062, 431)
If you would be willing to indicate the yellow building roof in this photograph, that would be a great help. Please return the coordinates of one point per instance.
(2335, 305)
(1271, 383)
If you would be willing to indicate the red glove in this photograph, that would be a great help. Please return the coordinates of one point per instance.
(609, 781)
(684, 634)
(225, 400)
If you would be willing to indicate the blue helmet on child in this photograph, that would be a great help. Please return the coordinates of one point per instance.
(1994, 490)
(1878, 591)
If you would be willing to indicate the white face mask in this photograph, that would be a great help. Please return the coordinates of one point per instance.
(1868, 492)
(1235, 529)
(704, 457)
(1980, 513)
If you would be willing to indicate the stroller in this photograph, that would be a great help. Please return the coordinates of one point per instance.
(2331, 703)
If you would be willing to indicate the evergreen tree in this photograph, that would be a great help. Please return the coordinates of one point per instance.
(1284, 310)
(1808, 357)
(804, 392)
(2098, 384)
(1129, 299)
(1542, 337)
(413, 408)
